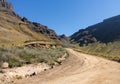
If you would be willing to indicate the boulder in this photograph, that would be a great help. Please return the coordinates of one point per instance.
(5, 65)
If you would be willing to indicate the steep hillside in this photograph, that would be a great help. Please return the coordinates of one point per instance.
(102, 39)
(42, 44)
(15, 30)
(105, 32)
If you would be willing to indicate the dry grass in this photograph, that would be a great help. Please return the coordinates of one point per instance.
(12, 33)
(17, 56)
(110, 51)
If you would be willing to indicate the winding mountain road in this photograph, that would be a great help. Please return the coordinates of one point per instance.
(79, 68)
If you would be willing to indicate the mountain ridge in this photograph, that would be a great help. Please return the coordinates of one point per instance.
(106, 31)
(16, 30)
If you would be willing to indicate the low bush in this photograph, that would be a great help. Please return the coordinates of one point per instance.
(110, 50)
(17, 56)
(18, 77)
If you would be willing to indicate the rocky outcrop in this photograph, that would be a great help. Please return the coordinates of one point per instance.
(30, 31)
(105, 32)
(5, 4)
(7, 8)
(39, 28)
(44, 30)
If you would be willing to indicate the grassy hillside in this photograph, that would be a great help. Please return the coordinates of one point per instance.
(110, 50)
(102, 39)
(16, 31)
(12, 33)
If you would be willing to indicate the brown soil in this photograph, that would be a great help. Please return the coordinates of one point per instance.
(79, 69)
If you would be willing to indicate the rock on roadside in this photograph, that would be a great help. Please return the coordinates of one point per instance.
(21, 72)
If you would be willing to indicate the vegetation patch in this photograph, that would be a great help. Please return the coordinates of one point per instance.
(110, 50)
(18, 56)
(18, 77)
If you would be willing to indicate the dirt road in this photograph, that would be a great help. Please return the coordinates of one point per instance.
(79, 69)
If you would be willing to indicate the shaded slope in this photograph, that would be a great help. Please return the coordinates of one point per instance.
(106, 31)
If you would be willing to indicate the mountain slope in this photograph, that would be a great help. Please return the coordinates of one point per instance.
(106, 31)
(15, 30)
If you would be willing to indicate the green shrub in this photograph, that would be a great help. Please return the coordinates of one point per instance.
(18, 77)
(17, 56)
(1, 71)
(110, 50)
(14, 63)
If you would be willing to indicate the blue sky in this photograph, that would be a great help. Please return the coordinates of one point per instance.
(66, 16)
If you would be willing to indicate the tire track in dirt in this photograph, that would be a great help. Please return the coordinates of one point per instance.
(79, 68)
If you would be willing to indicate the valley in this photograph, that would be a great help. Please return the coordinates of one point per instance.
(32, 53)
